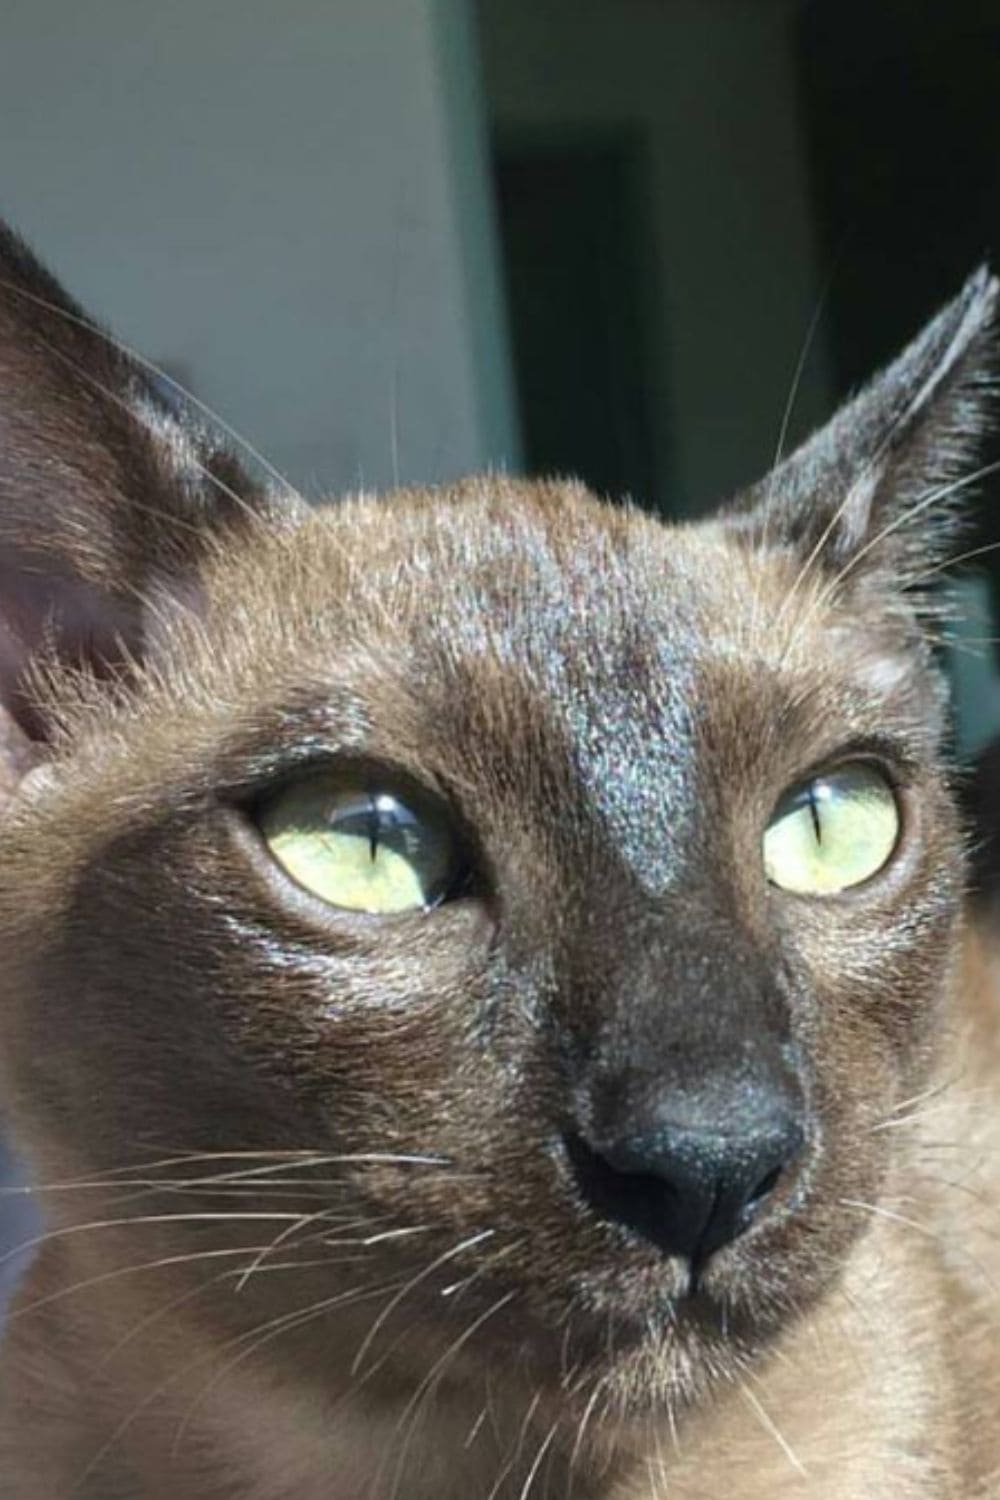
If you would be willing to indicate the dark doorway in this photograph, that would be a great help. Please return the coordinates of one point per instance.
(572, 225)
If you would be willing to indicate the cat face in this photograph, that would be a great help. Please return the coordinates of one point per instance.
(564, 897)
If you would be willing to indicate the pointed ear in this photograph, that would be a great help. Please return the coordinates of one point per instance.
(109, 495)
(880, 487)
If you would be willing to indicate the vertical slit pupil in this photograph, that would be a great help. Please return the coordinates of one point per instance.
(817, 822)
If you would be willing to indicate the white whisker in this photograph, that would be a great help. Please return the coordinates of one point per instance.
(411, 1285)
(73, 1229)
(771, 1427)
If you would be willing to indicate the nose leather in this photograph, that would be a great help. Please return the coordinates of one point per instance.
(687, 1188)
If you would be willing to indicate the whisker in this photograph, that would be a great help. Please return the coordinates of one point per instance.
(771, 1427)
(535, 1469)
(305, 1160)
(881, 1211)
(22, 1311)
(264, 1334)
(427, 1384)
(934, 1090)
(476, 1427)
(411, 1285)
(508, 1464)
(384, 1358)
(830, 588)
(366, 1242)
(191, 1293)
(302, 1222)
(137, 1411)
(485, 1267)
(117, 399)
(72, 1229)
(961, 1185)
(588, 1412)
(786, 417)
(949, 563)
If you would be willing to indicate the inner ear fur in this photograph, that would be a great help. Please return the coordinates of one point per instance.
(109, 493)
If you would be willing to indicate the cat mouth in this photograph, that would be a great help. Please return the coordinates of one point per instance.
(665, 1321)
(600, 1312)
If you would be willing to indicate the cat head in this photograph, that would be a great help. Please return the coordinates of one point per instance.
(565, 897)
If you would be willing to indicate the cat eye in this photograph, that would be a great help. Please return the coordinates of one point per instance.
(833, 831)
(362, 847)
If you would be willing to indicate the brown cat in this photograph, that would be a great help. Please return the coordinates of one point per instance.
(486, 994)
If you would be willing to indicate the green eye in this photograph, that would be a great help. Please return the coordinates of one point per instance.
(832, 832)
(361, 847)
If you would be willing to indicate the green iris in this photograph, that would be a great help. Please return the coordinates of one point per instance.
(832, 832)
(361, 847)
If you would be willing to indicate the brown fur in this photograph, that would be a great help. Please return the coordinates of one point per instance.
(612, 709)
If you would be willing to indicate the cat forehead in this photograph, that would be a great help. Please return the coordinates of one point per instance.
(542, 578)
(500, 567)
(502, 610)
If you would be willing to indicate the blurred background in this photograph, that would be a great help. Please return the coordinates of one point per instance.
(396, 240)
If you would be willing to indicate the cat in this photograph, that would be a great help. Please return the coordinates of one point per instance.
(488, 995)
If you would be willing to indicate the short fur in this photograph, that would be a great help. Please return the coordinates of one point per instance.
(312, 1226)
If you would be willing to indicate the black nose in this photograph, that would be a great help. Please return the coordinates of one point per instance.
(688, 1190)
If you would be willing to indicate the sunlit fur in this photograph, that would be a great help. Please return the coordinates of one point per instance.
(311, 1228)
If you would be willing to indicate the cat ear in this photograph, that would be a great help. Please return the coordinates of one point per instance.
(878, 489)
(109, 495)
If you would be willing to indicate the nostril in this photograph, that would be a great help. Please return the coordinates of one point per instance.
(630, 1198)
(639, 1201)
(765, 1187)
